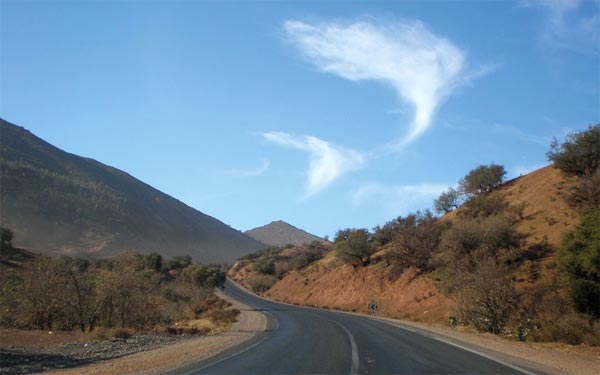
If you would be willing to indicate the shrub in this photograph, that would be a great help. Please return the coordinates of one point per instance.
(586, 192)
(122, 334)
(476, 258)
(579, 154)
(266, 266)
(417, 238)
(484, 206)
(579, 263)
(570, 329)
(261, 284)
(223, 316)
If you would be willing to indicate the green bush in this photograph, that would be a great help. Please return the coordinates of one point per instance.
(265, 266)
(261, 284)
(579, 154)
(579, 263)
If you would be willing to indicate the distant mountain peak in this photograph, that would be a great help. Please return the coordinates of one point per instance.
(280, 233)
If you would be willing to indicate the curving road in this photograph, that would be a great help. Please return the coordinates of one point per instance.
(302, 340)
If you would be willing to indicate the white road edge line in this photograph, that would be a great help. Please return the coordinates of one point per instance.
(517, 368)
(354, 367)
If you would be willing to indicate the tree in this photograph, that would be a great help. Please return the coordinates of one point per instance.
(482, 179)
(200, 281)
(6, 237)
(354, 246)
(448, 201)
(579, 263)
(579, 154)
(384, 234)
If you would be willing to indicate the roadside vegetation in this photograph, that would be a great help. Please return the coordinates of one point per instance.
(266, 266)
(110, 297)
(481, 255)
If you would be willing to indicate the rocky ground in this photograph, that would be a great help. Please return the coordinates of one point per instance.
(28, 359)
(26, 352)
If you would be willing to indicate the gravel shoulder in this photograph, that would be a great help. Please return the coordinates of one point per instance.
(551, 358)
(163, 357)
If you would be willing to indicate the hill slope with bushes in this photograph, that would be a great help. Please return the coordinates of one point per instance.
(60, 203)
(518, 258)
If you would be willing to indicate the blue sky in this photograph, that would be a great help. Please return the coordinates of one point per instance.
(323, 114)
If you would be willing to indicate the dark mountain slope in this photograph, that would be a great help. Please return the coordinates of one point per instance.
(62, 203)
(280, 233)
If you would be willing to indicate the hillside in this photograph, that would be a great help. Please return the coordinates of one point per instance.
(60, 203)
(328, 283)
(280, 233)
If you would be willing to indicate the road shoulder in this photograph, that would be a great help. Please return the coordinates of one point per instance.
(180, 355)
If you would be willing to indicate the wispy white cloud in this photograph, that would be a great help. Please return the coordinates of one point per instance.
(327, 162)
(422, 68)
(250, 172)
(570, 24)
(398, 199)
(519, 134)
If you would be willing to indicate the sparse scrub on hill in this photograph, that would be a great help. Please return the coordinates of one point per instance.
(482, 206)
(476, 257)
(265, 266)
(261, 283)
(354, 246)
(416, 239)
(268, 252)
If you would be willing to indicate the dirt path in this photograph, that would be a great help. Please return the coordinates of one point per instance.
(168, 358)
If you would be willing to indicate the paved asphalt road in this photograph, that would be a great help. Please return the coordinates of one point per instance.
(310, 341)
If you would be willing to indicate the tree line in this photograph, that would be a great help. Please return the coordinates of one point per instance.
(129, 291)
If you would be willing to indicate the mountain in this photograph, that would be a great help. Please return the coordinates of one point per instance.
(280, 233)
(60, 203)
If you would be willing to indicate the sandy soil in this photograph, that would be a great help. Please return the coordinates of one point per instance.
(162, 360)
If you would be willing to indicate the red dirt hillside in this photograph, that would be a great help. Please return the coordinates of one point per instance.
(327, 283)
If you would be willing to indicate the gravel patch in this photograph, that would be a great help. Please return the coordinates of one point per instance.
(26, 360)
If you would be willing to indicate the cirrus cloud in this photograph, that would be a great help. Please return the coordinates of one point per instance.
(327, 161)
(420, 66)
